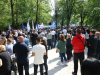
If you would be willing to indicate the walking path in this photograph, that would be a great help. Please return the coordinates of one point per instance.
(54, 67)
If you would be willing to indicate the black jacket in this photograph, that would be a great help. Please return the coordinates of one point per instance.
(93, 41)
(98, 46)
(6, 61)
(68, 44)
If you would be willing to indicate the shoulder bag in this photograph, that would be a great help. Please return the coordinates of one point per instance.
(82, 42)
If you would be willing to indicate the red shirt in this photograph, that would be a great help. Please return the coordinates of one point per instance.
(77, 43)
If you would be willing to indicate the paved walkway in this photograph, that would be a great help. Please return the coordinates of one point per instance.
(54, 67)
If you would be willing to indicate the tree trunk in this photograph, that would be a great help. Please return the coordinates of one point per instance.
(36, 16)
(56, 17)
(68, 20)
(12, 13)
(62, 22)
(81, 19)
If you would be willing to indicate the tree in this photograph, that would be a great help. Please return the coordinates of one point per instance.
(15, 12)
(94, 19)
(66, 7)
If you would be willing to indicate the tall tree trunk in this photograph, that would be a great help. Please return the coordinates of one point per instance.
(68, 20)
(36, 15)
(81, 19)
(62, 22)
(17, 17)
(12, 13)
(56, 16)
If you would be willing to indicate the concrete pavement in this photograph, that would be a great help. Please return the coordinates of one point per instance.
(54, 67)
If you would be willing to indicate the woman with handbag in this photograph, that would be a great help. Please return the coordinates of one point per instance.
(61, 47)
(5, 68)
(69, 47)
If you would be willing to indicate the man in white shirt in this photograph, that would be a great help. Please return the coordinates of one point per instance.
(53, 37)
(65, 32)
(38, 52)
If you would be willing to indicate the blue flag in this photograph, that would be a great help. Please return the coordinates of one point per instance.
(9, 27)
(28, 26)
(59, 24)
(22, 26)
(53, 25)
(37, 25)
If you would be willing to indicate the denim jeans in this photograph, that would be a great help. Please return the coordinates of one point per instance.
(36, 68)
(62, 55)
(26, 67)
(49, 42)
(53, 41)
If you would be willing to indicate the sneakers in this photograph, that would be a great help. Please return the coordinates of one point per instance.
(66, 64)
(61, 64)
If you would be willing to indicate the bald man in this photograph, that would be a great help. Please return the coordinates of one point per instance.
(21, 50)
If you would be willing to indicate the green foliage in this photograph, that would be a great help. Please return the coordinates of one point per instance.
(94, 18)
(83, 12)
(23, 10)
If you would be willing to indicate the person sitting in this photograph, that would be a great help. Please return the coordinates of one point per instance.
(90, 66)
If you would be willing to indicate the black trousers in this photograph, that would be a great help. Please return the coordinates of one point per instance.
(69, 53)
(77, 56)
(36, 68)
(5, 73)
(26, 67)
(46, 66)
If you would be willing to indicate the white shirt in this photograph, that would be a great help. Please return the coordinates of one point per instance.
(52, 32)
(39, 51)
(65, 31)
(87, 35)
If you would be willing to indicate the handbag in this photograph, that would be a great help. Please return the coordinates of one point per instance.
(13, 66)
(58, 50)
(82, 42)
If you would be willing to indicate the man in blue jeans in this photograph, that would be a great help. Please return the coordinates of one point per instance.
(21, 50)
(38, 52)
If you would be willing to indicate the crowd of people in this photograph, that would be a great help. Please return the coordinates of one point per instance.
(69, 42)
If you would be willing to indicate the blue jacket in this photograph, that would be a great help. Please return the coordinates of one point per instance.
(26, 41)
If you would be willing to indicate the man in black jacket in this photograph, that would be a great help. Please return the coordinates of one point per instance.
(92, 44)
(98, 46)
(33, 37)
